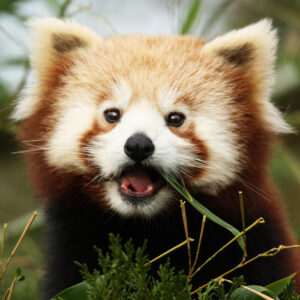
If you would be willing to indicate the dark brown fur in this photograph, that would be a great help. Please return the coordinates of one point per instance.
(65, 42)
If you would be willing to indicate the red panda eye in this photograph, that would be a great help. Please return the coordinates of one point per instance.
(175, 119)
(112, 115)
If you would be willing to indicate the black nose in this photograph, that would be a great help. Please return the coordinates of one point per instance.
(139, 147)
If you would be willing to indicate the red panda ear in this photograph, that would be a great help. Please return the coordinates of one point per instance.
(55, 40)
(53, 45)
(252, 49)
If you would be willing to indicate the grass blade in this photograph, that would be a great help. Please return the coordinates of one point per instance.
(191, 17)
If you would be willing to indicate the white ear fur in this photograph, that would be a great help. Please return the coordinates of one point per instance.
(54, 38)
(52, 41)
(253, 48)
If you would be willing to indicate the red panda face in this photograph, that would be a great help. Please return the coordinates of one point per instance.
(117, 112)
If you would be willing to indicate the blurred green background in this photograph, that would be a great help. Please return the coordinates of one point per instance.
(205, 18)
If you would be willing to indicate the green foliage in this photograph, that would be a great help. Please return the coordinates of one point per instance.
(4, 93)
(124, 275)
(283, 289)
(241, 293)
(218, 290)
(289, 293)
(77, 291)
(8, 6)
(170, 285)
(280, 285)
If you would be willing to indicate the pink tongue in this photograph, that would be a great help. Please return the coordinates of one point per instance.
(137, 181)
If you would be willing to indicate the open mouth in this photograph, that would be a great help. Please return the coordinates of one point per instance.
(139, 182)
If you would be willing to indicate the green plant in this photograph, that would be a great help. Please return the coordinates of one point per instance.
(124, 273)
(18, 276)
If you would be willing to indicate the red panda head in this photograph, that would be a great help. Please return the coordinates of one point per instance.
(108, 115)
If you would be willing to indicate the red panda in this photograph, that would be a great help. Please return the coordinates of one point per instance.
(105, 116)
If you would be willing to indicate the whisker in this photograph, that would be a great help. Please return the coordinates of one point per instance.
(92, 180)
(253, 188)
(41, 149)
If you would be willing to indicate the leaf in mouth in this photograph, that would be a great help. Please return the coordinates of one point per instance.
(202, 209)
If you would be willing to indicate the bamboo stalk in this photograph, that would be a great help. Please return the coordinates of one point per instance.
(185, 225)
(169, 251)
(243, 224)
(270, 252)
(20, 240)
(258, 221)
(199, 245)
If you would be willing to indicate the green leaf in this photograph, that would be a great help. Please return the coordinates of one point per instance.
(16, 61)
(202, 209)
(278, 286)
(9, 6)
(242, 294)
(191, 17)
(75, 292)
(18, 272)
(4, 94)
(18, 275)
(54, 5)
(21, 278)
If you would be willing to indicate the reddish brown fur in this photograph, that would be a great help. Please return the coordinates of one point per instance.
(48, 181)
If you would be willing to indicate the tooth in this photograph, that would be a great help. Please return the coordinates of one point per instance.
(149, 188)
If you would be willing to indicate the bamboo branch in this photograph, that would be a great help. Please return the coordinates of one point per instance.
(169, 251)
(243, 224)
(184, 219)
(11, 288)
(20, 241)
(258, 221)
(199, 245)
(270, 252)
(2, 251)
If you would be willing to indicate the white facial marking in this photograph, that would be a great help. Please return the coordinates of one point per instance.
(154, 206)
(122, 93)
(26, 105)
(167, 97)
(76, 116)
(224, 154)
(170, 152)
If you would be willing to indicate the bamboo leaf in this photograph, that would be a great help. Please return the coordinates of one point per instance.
(202, 209)
(9, 6)
(4, 94)
(241, 293)
(16, 61)
(278, 286)
(191, 17)
(75, 292)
